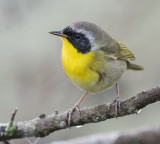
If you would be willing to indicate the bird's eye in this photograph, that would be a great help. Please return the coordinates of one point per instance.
(77, 36)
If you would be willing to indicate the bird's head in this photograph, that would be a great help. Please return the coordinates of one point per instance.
(84, 36)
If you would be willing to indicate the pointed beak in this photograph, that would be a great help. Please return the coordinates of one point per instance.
(58, 33)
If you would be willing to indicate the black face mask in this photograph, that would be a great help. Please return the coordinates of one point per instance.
(78, 40)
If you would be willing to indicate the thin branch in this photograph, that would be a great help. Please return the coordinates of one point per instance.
(44, 125)
(14, 114)
(149, 135)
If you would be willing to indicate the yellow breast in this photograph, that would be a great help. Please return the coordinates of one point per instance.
(77, 65)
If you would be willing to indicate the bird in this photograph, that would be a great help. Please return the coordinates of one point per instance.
(93, 60)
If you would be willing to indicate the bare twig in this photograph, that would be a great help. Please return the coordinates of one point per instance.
(44, 125)
(14, 114)
(149, 135)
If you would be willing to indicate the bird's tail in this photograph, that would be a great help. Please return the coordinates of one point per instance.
(134, 66)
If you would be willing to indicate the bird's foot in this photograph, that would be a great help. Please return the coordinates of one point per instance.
(117, 104)
(70, 112)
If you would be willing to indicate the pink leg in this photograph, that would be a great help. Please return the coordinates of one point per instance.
(118, 96)
(117, 88)
(75, 107)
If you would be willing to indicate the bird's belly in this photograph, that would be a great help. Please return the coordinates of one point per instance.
(86, 79)
(90, 80)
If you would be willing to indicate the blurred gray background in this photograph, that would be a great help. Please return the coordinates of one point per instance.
(31, 76)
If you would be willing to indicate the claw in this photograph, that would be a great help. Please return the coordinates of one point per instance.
(76, 107)
(70, 112)
(117, 104)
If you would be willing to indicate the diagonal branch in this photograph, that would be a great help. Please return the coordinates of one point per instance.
(44, 125)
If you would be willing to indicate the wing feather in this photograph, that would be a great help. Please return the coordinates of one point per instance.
(125, 53)
(118, 50)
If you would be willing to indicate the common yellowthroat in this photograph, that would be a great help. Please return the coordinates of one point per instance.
(93, 60)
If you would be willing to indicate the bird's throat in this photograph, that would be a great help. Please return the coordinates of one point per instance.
(76, 65)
